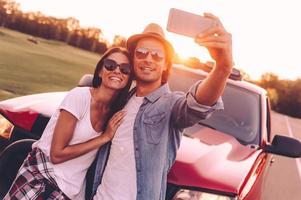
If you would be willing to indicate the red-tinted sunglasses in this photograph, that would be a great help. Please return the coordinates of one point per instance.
(142, 53)
(111, 65)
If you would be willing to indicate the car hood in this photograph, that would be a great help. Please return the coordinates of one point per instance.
(212, 160)
(44, 103)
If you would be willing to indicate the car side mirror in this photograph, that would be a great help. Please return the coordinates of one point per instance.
(284, 146)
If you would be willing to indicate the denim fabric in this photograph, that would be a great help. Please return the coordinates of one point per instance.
(157, 135)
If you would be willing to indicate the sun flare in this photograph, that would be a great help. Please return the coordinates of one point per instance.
(186, 47)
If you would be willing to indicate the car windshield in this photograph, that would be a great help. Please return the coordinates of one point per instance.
(240, 117)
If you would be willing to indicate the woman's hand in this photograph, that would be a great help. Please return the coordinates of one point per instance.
(113, 124)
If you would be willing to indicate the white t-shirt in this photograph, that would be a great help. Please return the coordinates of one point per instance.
(119, 178)
(70, 175)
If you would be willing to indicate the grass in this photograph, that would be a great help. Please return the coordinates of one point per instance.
(28, 68)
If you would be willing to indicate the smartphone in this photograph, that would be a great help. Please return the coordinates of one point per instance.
(188, 24)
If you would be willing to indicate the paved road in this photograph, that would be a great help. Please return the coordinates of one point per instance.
(284, 179)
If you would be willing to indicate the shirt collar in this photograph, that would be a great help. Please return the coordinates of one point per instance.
(153, 96)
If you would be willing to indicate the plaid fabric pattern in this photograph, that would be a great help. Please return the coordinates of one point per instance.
(35, 180)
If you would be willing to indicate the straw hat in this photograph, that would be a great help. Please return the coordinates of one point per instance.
(152, 30)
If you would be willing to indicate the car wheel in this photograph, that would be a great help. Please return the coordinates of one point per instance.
(11, 158)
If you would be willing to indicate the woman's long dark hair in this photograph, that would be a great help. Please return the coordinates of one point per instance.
(121, 99)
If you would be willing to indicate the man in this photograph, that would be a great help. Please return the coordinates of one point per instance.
(136, 163)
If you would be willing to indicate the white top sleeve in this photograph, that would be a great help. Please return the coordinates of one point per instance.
(74, 103)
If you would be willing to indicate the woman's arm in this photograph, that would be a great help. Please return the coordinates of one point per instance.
(61, 151)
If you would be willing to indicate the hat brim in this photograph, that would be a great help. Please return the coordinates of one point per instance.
(132, 42)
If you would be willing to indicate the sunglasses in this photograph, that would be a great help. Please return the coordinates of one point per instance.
(142, 53)
(111, 65)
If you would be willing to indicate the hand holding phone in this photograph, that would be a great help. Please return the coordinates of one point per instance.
(187, 24)
(192, 25)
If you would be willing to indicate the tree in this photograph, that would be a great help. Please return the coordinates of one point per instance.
(119, 41)
(273, 96)
(37, 24)
(8, 12)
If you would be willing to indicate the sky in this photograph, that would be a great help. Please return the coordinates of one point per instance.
(266, 34)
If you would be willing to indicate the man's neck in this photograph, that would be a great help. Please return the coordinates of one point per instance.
(144, 89)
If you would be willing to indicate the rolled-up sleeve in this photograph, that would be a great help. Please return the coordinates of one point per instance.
(193, 104)
(187, 111)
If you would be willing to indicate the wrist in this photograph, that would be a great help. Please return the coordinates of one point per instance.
(105, 137)
(222, 71)
(223, 67)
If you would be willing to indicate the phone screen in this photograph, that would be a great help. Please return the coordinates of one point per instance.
(188, 24)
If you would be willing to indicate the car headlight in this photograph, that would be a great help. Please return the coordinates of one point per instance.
(197, 195)
(6, 127)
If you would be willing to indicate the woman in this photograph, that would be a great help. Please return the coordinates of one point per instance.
(57, 165)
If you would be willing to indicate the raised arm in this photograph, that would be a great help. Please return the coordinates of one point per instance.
(219, 44)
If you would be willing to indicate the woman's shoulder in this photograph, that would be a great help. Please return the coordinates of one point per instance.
(79, 93)
(80, 90)
(77, 101)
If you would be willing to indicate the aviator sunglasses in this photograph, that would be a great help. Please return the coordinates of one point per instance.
(111, 65)
(142, 53)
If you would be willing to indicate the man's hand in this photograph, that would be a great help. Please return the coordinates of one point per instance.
(219, 44)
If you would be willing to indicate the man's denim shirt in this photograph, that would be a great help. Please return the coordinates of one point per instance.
(157, 134)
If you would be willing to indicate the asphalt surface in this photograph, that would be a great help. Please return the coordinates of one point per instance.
(284, 179)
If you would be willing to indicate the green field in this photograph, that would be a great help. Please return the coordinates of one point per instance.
(28, 68)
